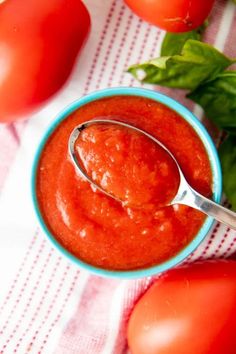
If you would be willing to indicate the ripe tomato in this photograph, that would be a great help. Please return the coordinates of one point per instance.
(189, 310)
(39, 42)
(172, 15)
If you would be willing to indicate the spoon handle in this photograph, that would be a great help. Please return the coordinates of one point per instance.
(213, 209)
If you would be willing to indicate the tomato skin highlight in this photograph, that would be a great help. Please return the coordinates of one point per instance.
(188, 310)
(172, 15)
(39, 43)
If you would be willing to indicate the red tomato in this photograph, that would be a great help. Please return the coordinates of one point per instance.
(172, 15)
(39, 42)
(189, 310)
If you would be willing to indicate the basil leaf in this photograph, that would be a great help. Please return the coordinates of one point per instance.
(198, 62)
(218, 99)
(227, 153)
(173, 42)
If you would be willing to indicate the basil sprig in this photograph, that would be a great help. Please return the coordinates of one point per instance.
(198, 63)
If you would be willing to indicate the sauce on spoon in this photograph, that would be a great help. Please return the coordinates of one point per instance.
(128, 165)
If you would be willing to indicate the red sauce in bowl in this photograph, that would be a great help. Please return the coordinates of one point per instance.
(94, 227)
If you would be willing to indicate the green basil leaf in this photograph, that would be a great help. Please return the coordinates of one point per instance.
(198, 62)
(218, 99)
(173, 42)
(227, 153)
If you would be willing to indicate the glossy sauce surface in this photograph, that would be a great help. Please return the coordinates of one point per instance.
(98, 229)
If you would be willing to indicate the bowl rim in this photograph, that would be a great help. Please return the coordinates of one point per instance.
(199, 129)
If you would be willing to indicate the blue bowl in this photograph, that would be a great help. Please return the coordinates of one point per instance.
(213, 157)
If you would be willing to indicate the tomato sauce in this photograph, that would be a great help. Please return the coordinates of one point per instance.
(140, 232)
(128, 165)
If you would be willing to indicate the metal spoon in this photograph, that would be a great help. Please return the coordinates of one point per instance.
(185, 194)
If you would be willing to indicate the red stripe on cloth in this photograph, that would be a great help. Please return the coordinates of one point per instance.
(154, 46)
(28, 304)
(86, 330)
(215, 18)
(121, 45)
(21, 269)
(131, 48)
(223, 239)
(110, 46)
(23, 288)
(230, 48)
(40, 304)
(99, 47)
(50, 308)
(59, 314)
(231, 247)
(144, 46)
(211, 239)
(142, 50)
